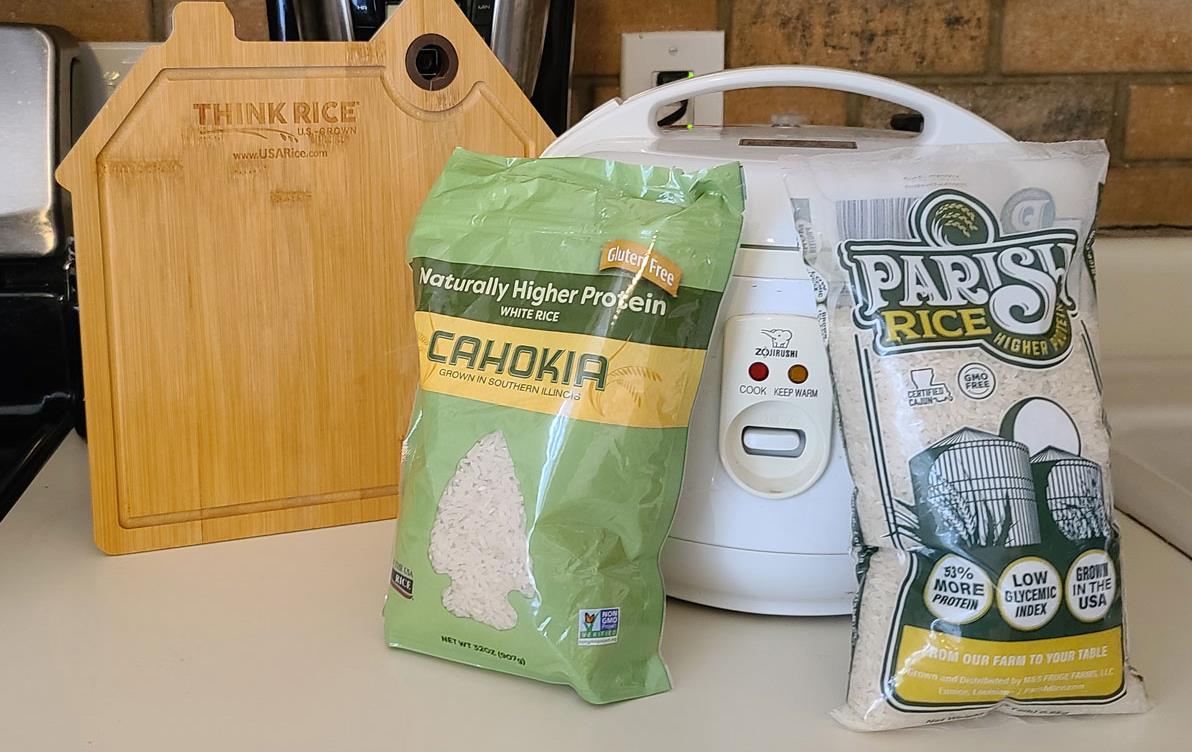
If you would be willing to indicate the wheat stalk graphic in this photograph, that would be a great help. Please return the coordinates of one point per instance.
(958, 216)
(633, 380)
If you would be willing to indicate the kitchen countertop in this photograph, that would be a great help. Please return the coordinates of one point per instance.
(1150, 411)
(1146, 349)
(275, 644)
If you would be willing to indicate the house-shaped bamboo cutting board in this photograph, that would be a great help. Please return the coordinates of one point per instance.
(241, 211)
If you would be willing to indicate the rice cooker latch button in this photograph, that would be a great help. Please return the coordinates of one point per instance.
(775, 404)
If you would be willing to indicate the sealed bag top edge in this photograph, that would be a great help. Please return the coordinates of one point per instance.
(581, 197)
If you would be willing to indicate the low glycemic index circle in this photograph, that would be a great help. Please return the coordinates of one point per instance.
(958, 591)
(1091, 586)
(1029, 593)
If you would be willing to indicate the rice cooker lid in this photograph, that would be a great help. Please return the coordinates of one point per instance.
(769, 218)
(626, 130)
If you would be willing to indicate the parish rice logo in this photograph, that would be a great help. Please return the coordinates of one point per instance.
(959, 282)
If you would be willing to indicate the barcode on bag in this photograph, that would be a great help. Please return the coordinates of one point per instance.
(874, 218)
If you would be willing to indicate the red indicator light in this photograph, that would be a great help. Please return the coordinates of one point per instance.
(759, 371)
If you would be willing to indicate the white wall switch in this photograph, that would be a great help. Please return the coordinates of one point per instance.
(654, 58)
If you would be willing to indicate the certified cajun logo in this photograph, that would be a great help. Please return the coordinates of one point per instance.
(959, 282)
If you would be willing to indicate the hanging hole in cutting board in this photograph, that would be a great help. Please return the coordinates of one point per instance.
(432, 62)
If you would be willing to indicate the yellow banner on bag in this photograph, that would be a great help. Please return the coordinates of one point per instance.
(578, 376)
(935, 668)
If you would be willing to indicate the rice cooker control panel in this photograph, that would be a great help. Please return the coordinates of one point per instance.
(775, 404)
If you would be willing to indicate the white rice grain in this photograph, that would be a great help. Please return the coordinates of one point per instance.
(479, 536)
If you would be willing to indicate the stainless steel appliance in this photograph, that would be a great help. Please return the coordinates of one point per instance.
(531, 38)
(40, 385)
(518, 32)
(324, 19)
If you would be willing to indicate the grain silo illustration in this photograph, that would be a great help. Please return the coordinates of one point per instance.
(975, 488)
(1070, 488)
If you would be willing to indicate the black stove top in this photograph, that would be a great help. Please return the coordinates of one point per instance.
(40, 386)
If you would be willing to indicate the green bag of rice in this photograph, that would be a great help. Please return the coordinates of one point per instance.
(962, 339)
(563, 311)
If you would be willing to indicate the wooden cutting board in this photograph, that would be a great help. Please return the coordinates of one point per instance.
(241, 211)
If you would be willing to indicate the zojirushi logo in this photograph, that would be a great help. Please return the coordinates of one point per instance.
(960, 282)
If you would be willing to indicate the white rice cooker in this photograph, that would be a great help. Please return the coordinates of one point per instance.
(764, 521)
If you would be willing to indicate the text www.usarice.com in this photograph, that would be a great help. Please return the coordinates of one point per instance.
(284, 152)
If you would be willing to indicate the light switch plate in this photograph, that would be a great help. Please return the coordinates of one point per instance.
(645, 55)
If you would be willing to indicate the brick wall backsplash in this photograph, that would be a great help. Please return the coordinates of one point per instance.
(1042, 70)
(1047, 70)
(1096, 36)
(600, 23)
(878, 36)
(124, 20)
(89, 20)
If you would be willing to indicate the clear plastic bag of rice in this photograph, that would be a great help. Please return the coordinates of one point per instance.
(962, 334)
(563, 308)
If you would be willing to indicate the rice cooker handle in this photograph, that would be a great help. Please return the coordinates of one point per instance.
(943, 122)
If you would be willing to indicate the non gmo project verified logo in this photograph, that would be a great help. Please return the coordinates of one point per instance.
(598, 626)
